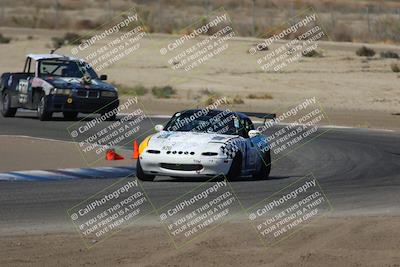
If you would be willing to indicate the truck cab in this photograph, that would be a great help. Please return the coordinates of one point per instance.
(51, 83)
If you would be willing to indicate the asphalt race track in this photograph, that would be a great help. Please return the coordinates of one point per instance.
(358, 169)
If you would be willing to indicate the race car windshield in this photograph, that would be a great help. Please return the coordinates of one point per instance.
(221, 122)
(65, 68)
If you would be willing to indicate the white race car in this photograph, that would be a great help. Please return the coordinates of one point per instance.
(205, 143)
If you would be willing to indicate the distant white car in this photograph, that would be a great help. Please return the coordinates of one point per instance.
(199, 144)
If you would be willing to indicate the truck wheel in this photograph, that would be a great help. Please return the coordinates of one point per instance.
(71, 116)
(141, 175)
(265, 169)
(42, 110)
(6, 109)
(112, 118)
(235, 169)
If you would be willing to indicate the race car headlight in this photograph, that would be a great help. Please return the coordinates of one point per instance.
(58, 91)
(109, 94)
(209, 154)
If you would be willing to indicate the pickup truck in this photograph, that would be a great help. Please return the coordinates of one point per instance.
(53, 83)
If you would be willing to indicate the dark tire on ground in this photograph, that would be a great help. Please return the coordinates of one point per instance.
(265, 169)
(6, 109)
(42, 110)
(112, 118)
(235, 169)
(70, 115)
(141, 175)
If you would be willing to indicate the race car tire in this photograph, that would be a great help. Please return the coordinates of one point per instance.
(265, 169)
(235, 169)
(42, 110)
(141, 175)
(70, 115)
(6, 109)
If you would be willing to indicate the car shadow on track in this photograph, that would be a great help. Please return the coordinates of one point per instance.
(55, 118)
(78, 119)
(202, 180)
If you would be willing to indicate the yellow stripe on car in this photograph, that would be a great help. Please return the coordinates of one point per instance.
(144, 144)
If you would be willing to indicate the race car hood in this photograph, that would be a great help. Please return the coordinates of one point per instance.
(76, 83)
(188, 141)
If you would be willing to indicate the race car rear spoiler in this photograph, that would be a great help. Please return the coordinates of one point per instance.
(264, 116)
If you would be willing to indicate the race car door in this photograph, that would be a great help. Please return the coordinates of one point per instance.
(24, 88)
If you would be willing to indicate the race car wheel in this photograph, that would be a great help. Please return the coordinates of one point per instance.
(6, 109)
(235, 169)
(141, 175)
(42, 110)
(70, 115)
(265, 168)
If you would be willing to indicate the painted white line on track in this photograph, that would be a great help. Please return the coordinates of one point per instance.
(68, 174)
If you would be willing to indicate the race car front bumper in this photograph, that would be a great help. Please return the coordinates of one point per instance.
(183, 165)
(60, 103)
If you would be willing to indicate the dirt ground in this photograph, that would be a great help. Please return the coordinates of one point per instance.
(335, 241)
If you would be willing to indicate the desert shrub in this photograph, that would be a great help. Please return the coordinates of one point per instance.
(57, 41)
(260, 47)
(4, 40)
(138, 90)
(69, 38)
(211, 99)
(206, 92)
(237, 100)
(311, 53)
(72, 38)
(389, 54)
(365, 52)
(86, 24)
(262, 96)
(163, 92)
(395, 67)
(342, 33)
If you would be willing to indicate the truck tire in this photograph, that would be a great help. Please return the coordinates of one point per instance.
(111, 118)
(6, 109)
(42, 110)
(71, 116)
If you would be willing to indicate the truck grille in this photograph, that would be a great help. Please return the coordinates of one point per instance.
(182, 167)
(88, 94)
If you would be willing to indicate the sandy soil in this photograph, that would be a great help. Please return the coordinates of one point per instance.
(28, 153)
(354, 91)
(335, 241)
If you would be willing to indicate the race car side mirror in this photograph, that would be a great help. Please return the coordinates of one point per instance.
(103, 77)
(253, 133)
(159, 127)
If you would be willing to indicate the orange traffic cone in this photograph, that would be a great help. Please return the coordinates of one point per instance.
(112, 155)
(135, 154)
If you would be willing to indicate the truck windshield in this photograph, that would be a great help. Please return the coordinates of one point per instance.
(65, 68)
